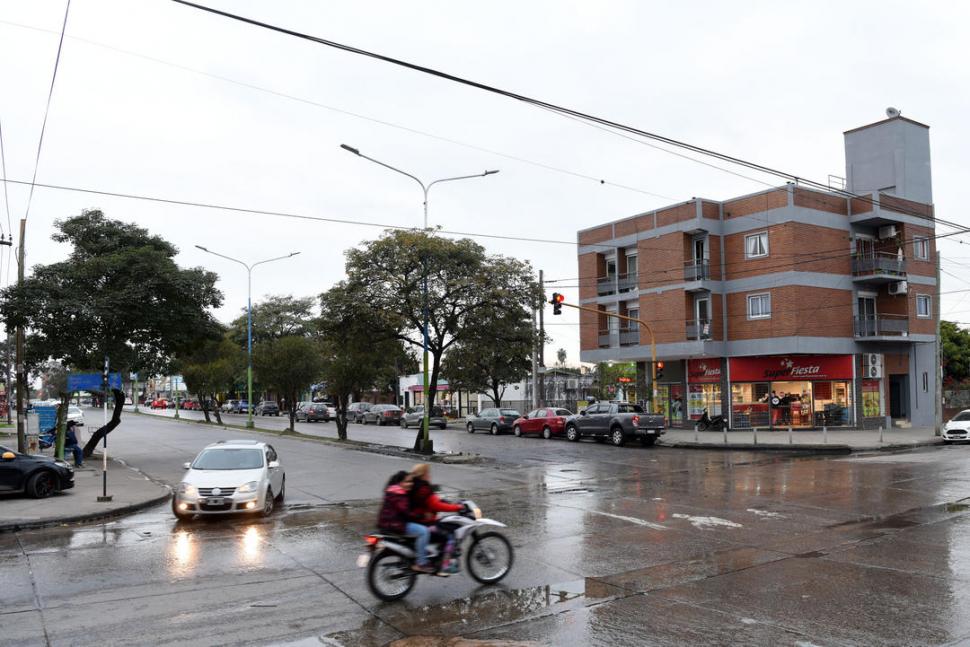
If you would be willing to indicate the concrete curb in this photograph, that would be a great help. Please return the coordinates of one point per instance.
(815, 448)
(373, 448)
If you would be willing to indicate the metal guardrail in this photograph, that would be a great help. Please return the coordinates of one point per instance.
(881, 263)
(629, 336)
(699, 329)
(697, 270)
(628, 282)
(882, 326)
(606, 285)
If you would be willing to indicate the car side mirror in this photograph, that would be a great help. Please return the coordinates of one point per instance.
(186, 465)
(274, 464)
(8, 456)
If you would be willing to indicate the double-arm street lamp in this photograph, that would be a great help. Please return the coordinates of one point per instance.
(427, 445)
(249, 321)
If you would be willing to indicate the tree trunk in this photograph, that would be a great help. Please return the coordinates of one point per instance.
(435, 369)
(205, 407)
(291, 409)
(61, 426)
(216, 408)
(341, 416)
(95, 438)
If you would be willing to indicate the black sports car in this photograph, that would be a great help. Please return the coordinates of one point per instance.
(37, 476)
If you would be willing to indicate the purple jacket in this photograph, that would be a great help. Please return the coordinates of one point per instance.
(395, 511)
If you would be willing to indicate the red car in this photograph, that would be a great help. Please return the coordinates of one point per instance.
(159, 403)
(548, 421)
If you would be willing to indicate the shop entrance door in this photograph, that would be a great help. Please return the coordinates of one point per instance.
(794, 404)
(898, 390)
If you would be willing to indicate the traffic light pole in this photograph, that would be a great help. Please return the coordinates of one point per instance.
(645, 326)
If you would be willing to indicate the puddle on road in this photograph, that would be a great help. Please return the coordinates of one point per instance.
(907, 518)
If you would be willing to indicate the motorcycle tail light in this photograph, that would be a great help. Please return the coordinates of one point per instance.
(371, 540)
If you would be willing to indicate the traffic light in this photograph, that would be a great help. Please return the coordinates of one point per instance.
(659, 372)
(556, 302)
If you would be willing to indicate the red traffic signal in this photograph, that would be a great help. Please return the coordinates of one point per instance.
(556, 302)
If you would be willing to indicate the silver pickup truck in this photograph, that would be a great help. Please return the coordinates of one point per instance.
(616, 421)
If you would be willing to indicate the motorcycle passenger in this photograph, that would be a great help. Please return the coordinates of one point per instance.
(425, 506)
(396, 517)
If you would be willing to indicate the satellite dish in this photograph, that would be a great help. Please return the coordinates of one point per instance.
(892, 112)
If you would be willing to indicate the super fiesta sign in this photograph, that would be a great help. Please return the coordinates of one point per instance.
(780, 368)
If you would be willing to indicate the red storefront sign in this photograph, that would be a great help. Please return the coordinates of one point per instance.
(791, 367)
(704, 371)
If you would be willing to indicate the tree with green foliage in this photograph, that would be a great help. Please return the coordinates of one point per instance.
(464, 285)
(493, 353)
(955, 351)
(360, 350)
(213, 367)
(289, 364)
(119, 294)
(273, 318)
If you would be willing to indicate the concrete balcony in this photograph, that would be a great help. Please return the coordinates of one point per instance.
(697, 270)
(630, 336)
(605, 337)
(699, 329)
(628, 282)
(606, 285)
(881, 267)
(882, 327)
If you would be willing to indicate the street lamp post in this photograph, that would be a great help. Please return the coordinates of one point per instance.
(249, 322)
(427, 446)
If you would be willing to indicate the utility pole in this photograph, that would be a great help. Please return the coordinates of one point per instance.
(542, 347)
(938, 354)
(535, 366)
(21, 373)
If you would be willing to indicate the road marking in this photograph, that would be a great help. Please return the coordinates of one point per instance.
(707, 522)
(639, 522)
(766, 514)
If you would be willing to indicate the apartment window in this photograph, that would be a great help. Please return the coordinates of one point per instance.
(756, 245)
(921, 248)
(759, 306)
(631, 265)
(924, 305)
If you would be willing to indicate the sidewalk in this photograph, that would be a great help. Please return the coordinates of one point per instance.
(834, 441)
(130, 489)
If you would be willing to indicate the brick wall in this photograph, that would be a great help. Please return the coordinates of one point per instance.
(791, 246)
(588, 330)
(755, 204)
(597, 235)
(633, 225)
(714, 247)
(820, 201)
(901, 205)
(913, 265)
(676, 214)
(710, 210)
(896, 364)
(591, 267)
(795, 310)
(667, 314)
(661, 260)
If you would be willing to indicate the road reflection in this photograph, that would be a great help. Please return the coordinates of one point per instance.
(182, 553)
(251, 547)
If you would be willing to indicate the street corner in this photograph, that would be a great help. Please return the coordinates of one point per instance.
(128, 490)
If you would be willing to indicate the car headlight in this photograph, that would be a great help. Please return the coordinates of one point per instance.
(188, 489)
(252, 486)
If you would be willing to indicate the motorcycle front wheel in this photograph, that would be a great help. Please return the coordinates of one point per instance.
(389, 576)
(489, 557)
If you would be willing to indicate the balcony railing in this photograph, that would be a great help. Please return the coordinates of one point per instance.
(697, 270)
(880, 264)
(699, 329)
(606, 285)
(630, 336)
(627, 282)
(604, 339)
(882, 326)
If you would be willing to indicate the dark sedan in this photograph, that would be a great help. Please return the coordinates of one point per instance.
(356, 410)
(494, 420)
(383, 414)
(313, 412)
(416, 417)
(267, 408)
(37, 476)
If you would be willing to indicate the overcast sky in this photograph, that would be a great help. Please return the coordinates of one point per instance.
(136, 109)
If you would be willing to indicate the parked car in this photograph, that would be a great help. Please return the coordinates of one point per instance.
(159, 403)
(75, 414)
(239, 406)
(382, 414)
(36, 476)
(958, 428)
(494, 420)
(616, 421)
(312, 412)
(415, 417)
(228, 405)
(267, 408)
(355, 410)
(231, 476)
(547, 421)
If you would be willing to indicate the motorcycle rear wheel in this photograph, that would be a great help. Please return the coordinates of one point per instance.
(389, 576)
(489, 558)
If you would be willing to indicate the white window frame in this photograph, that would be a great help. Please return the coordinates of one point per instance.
(928, 299)
(921, 248)
(759, 295)
(747, 248)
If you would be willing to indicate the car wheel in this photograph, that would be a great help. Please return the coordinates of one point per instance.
(41, 485)
(268, 502)
(282, 495)
(616, 437)
(494, 429)
(546, 432)
(517, 430)
(470, 428)
(442, 426)
(572, 434)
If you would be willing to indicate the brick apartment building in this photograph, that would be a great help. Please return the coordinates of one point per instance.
(790, 306)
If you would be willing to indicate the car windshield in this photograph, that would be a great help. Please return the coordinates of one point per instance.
(963, 416)
(511, 412)
(563, 412)
(229, 459)
(628, 408)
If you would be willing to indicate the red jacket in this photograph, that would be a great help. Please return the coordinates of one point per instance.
(425, 504)
(394, 513)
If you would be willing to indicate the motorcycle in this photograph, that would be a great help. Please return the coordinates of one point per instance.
(716, 423)
(389, 557)
(47, 440)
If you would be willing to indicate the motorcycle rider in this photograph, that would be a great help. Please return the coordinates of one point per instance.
(396, 517)
(425, 506)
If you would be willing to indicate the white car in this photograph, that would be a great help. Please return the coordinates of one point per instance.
(231, 476)
(958, 428)
(75, 414)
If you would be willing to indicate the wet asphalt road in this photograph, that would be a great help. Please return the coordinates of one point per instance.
(614, 546)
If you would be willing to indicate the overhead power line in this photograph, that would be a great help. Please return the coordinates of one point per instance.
(47, 109)
(551, 106)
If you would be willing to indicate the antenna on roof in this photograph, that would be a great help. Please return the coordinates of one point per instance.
(892, 112)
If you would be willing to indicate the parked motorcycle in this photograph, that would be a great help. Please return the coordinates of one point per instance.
(47, 440)
(716, 423)
(488, 557)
